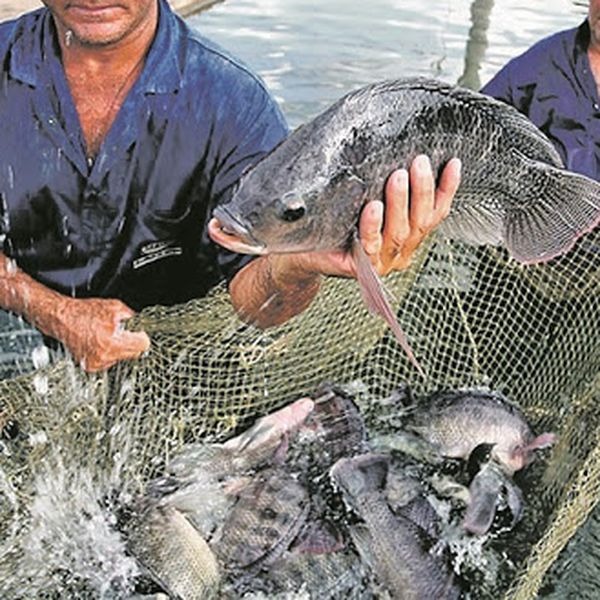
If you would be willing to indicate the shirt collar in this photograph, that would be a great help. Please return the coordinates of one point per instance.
(34, 41)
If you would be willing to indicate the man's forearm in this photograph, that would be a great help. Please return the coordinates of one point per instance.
(90, 328)
(272, 289)
(38, 304)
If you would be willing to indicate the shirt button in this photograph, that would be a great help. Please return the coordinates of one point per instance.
(595, 105)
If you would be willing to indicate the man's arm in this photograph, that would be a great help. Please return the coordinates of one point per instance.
(273, 288)
(91, 329)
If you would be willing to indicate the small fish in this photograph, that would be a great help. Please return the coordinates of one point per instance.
(485, 491)
(454, 423)
(268, 515)
(307, 194)
(176, 555)
(390, 543)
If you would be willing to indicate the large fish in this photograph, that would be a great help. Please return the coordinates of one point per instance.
(308, 192)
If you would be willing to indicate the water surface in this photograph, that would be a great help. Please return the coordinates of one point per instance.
(311, 52)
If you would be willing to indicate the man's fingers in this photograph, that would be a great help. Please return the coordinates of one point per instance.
(371, 221)
(133, 343)
(449, 182)
(422, 194)
(396, 226)
(126, 345)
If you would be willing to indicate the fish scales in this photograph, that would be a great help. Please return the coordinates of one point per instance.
(456, 422)
(267, 517)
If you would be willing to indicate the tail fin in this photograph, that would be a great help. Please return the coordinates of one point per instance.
(566, 206)
(360, 475)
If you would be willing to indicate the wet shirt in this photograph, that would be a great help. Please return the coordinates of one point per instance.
(552, 84)
(132, 224)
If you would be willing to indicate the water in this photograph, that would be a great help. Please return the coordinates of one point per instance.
(311, 52)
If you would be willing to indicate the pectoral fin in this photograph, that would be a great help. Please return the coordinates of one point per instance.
(376, 298)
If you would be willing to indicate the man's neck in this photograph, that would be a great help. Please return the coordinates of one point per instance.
(97, 59)
(101, 76)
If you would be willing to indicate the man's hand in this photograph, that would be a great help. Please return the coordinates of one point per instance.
(391, 238)
(93, 332)
(273, 288)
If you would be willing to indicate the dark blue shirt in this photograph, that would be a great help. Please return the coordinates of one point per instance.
(552, 84)
(131, 225)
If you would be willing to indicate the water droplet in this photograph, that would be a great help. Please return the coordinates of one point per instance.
(39, 438)
(11, 267)
(40, 357)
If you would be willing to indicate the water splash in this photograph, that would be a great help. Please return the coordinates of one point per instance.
(68, 541)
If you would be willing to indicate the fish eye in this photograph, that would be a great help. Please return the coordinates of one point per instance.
(293, 207)
(293, 214)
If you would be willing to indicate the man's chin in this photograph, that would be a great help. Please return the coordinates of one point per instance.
(96, 35)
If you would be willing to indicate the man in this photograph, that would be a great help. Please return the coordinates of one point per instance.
(555, 83)
(121, 131)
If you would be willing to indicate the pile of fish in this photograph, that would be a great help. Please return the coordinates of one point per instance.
(308, 504)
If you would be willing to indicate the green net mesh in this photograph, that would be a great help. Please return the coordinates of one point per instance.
(473, 317)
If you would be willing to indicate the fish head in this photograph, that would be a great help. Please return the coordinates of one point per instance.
(291, 201)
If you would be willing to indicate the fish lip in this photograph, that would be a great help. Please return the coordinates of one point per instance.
(227, 230)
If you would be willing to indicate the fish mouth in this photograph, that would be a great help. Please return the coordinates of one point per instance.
(228, 231)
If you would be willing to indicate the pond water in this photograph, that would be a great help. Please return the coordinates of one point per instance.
(311, 52)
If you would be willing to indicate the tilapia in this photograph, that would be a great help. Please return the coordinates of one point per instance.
(455, 423)
(175, 554)
(202, 479)
(390, 543)
(307, 194)
(267, 517)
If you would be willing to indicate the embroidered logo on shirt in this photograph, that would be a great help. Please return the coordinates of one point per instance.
(156, 251)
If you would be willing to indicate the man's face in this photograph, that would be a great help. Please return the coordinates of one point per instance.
(594, 21)
(101, 22)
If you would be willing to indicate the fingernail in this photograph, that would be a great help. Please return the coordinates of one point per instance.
(422, 163)
(401, 176)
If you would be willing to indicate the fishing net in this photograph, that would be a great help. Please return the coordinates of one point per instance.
(473, 317)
